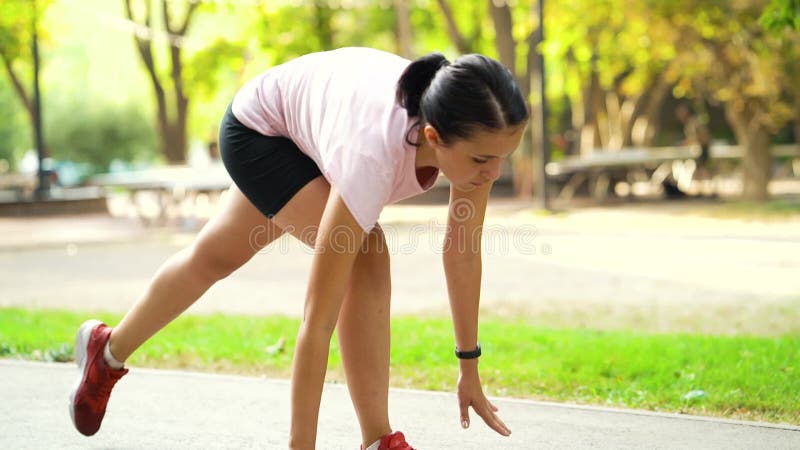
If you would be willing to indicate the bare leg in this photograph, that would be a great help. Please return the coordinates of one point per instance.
(363, 322)
(364, 338)
(226, 242)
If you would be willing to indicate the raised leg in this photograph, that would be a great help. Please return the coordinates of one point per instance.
(224, 244)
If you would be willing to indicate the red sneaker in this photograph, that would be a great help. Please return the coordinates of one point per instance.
(89, 396)
(393, 441)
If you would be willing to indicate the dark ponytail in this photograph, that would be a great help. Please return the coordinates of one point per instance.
(416, 79)
(471, 94)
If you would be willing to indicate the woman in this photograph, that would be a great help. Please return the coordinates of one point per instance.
(316, 148)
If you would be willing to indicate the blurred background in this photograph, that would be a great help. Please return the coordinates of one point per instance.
(641, 97)
(656, 194)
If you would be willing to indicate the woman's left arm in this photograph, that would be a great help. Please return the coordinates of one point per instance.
(462, 266)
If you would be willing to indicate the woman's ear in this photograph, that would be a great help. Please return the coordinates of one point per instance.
(432, 136)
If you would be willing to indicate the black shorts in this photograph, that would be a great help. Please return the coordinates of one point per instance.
(269, 170)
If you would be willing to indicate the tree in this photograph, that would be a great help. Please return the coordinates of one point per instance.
(735, 62)
(403, 27)
(287, 31)
(506, 46)
(14, 134)
(610, 60)
(791, 50)
(781, 14)
(614, 85)
(16, 26)
(171, 98)
(616, 61)
(473, 17)
(782, 18)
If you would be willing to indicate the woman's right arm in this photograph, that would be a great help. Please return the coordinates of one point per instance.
(337, 244)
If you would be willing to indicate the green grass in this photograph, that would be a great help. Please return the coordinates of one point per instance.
(777, 209)
(740, 377)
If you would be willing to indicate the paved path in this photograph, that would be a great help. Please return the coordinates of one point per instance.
(171, 410)
(614, 259)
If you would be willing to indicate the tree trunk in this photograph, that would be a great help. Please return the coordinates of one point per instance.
(506, 46)
(536, 134)
(18, 87)
(613, 128)
(503, 37)
(25, 99)
(754, 139)
(456, 36)
(172, 129)
(757, 166)
(403, 28)
(797, 129)
(797, 120)
(593, 107)
(522, 168)
(646, 126)
(176, 136)
(629, 109)
(174, 141)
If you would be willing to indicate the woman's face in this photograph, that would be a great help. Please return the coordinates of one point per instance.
(469, 163)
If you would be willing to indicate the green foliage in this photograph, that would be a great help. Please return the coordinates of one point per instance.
(286, 31)
(97, 133)
(781, 14)
(369, 27)
(16, 26)
(211, 76)
(203, 73)
(16, 31)
(429, 34)
(629, 44)
(727, 58)
(14, 130)
(618, 39)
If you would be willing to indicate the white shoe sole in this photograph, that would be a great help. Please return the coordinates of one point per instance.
(81, 342)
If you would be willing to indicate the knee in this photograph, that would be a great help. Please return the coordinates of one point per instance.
(210, 263)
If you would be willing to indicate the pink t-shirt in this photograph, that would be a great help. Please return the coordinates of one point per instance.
(339, 108)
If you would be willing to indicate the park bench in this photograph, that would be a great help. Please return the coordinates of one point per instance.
(174, 189)
(601, 170)
(18, 185)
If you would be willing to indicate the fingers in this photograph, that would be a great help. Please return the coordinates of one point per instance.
(486, 410)
(491, 419)
(464, 407)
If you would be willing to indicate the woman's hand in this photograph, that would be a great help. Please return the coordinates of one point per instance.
(471, 394)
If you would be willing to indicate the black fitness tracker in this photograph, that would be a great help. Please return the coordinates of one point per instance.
(470, 354)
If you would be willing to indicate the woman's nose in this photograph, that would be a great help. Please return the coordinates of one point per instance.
(492, 171)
